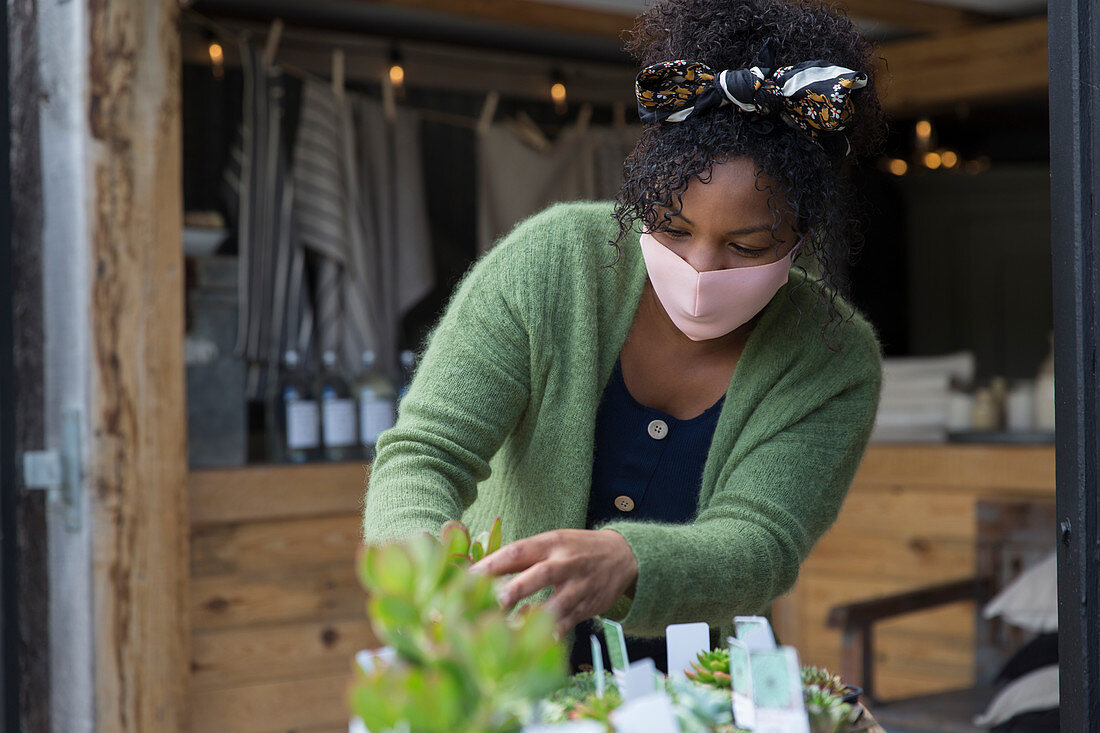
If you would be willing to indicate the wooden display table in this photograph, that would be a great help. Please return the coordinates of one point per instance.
(276, 612)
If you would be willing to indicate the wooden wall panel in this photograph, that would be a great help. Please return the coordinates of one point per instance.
(276, 611)
(909, 521)
(272, 707)
(137, 474)
(237, 657)
(282, 545)
(276, 492)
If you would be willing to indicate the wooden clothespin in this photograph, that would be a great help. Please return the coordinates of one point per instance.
(338, 73)
(618, 116)
(488, 111)
(389, 99)
(584, 116)
(271, 47)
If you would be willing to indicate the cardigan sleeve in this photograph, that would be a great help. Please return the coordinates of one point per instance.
(769, 508)
(471, 386)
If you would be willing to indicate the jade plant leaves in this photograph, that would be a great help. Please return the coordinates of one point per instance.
(463, 664)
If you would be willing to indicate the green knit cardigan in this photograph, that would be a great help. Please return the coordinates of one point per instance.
(500, 421)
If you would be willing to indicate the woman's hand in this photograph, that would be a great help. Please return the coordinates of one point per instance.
(589, 569)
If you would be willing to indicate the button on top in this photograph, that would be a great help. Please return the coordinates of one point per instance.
(624, 503)
(658, 429)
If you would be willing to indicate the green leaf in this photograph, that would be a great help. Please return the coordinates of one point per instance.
(477, 551)
(456, 538)
(395, 614)
(390, 570)
(494, 537)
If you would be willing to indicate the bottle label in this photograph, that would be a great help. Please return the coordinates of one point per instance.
(302, 425)
(375, 415)
(339, 423)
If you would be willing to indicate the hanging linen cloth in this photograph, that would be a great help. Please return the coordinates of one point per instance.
(516, 179)
(261, 194)
(346, 312)
(393, 216)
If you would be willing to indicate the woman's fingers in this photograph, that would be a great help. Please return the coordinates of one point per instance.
(515, 557)
(530, 581)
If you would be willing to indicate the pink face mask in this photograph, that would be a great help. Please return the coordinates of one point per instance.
(706, 305)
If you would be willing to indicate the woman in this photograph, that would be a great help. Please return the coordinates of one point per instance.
(667, 426)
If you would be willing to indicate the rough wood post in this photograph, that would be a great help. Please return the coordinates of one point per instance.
(138, 462)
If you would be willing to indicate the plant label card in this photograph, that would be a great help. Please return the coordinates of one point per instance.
(744, 709)
(356, 725)
(652, 714)
(597, 664)
(573, 726)
(777, 692)
(367, 658)
(640, 680)
(756, 632)
(684, 642)
(616, 645)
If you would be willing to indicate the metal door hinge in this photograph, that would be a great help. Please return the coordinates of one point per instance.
(59, 472)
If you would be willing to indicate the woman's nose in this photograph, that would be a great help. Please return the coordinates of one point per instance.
(704, 257)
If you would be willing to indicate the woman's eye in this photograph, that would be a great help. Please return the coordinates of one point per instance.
(747, 251)
(675, 233)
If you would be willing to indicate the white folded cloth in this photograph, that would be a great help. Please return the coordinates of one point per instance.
(1037, 690)
(1030, 601)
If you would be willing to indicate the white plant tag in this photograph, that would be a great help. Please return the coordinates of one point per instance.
(597, 664)
(756, 632)
(616, 645)
(356, 725)
(367, 658)
(652, 714)
(574, 726)
(777, 692)
(684, 642)
(640, 680)
(744, 709)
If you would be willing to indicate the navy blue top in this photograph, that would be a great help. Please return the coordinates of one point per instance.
(647, 464)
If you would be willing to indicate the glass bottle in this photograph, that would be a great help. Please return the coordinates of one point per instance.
(338, 433)
(376, 404)
(296, 413)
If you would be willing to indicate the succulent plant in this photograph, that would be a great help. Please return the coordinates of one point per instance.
(823, 679)
(699, 708)
(827, 712)
(711, 668)
(464, 552)
(463, 665)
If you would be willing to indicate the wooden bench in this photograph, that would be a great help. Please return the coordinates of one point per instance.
(1011, 536)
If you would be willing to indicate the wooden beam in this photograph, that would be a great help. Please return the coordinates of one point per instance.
(137, 474)
(531, 13)
(911, 14)
(987, 63)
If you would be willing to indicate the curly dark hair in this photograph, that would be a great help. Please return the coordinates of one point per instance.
(728, 34)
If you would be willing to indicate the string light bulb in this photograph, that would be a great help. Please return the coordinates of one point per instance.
(558, 92)
(397, 71)
(898, 167)
(933, 160)
(217, 58)
(949, 158)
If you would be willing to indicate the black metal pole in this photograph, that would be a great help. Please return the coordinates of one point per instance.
(1075, 214)
(9, 558)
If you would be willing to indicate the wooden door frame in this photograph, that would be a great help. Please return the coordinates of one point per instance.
(136, 478)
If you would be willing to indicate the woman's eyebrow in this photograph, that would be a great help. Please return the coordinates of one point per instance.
(750, 230)
(732, 233)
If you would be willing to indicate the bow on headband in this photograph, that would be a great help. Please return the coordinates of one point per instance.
(814, 95)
